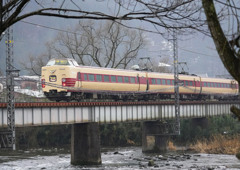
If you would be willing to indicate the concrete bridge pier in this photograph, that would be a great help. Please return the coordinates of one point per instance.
(85, 144)
(153, 139)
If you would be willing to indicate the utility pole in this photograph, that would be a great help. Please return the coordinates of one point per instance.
(10, 74)
(176, 83)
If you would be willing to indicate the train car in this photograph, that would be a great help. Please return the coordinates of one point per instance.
(64, 79)
(220, 88)
(164, 85)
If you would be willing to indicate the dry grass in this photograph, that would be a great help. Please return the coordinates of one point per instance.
(171, 146)
(218, 144)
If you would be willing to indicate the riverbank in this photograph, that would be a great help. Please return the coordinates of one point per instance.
(218, 144)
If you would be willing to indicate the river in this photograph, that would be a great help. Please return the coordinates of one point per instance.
(117, 158)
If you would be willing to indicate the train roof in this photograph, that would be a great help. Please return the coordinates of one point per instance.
(72, 62)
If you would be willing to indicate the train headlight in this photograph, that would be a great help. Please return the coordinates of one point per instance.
(63, 82)
(43, 83)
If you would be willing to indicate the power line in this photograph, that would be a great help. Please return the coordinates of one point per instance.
(51, 28)
(194, 52)
(61, 30)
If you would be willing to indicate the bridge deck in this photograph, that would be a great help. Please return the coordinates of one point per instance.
(36, 114)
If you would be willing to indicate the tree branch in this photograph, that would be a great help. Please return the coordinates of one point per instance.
(230, 61)
(235, 111)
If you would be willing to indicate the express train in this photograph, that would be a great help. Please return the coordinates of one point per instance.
(65, 80)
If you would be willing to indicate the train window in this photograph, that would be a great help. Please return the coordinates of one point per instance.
(190, 83)
(91, 77)
(120, 80)
(126, 79)
(164, 82)
(61, 62)
(106, 78)
(113, 78)
(85, 77)
(153, 81)
(79, 76)
(186, 83)
(132, 79)
(209, 84)
(158, 81)
(168, 82)
(205, 84)
(172, 82)
(99, 77)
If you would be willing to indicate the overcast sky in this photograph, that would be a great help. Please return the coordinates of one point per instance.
(197, 50)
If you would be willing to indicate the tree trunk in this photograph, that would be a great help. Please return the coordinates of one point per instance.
(226, 53)
(235, 111)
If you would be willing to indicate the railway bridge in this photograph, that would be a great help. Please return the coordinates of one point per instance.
(157, 118)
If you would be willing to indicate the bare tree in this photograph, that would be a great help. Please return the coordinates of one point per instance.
(105, 44)
(162, 14)
(100, 44)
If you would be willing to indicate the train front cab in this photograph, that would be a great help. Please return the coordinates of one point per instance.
(57, 76)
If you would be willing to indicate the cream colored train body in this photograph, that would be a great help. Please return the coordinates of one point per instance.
(64, 79)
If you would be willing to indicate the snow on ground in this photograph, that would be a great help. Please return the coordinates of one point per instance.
(37, 94)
